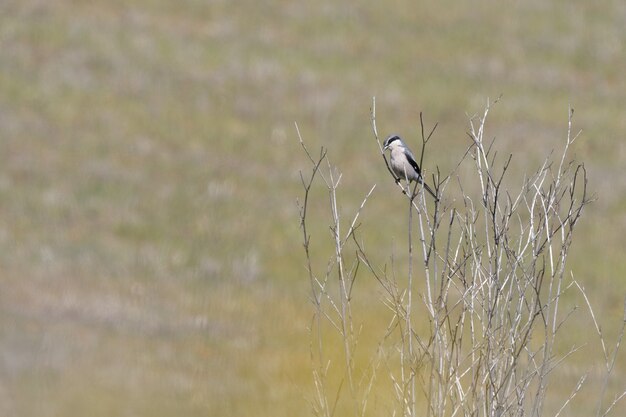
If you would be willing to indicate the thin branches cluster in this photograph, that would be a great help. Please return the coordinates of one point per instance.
(492, 274)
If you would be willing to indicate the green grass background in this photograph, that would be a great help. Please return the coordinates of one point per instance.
(150, 256)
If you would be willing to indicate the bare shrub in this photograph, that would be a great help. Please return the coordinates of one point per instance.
(494, 265)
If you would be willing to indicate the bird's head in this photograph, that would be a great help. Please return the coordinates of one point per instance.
(392, 141)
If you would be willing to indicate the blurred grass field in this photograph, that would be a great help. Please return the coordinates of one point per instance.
(150, 256)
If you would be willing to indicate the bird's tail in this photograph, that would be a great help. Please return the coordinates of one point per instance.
(430, 191)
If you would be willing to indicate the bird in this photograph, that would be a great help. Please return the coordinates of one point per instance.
(403, 162)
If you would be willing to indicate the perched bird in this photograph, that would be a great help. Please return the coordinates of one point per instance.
(403, 162)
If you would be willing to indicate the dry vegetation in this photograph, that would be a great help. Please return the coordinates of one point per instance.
(146, 270)
(479, 334)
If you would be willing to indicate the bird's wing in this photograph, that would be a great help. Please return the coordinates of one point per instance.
(411, 159)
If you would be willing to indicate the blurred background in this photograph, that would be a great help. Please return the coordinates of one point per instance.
(150, 255)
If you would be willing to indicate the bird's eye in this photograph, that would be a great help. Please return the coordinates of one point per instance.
(391, 139)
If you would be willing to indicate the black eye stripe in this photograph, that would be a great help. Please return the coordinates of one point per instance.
(391, 139)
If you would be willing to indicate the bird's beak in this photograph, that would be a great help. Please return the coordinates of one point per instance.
(385, 147)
